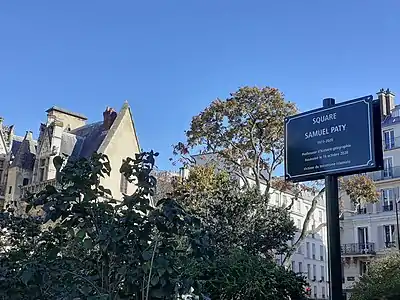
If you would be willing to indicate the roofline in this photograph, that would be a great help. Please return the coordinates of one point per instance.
(68, 112)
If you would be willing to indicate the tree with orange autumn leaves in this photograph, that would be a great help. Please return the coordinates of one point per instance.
(246, 132)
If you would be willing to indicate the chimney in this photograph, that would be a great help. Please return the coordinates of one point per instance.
(109, 116)
(389, 97)
(382, 101)
(10, 134)
(29, 135)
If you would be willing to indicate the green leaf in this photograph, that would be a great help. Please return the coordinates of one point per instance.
(81, 234)
(26, 276)
(147, 255)
(87, 243)
(155, 280)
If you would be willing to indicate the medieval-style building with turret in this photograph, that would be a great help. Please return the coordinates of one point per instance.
(27, 164)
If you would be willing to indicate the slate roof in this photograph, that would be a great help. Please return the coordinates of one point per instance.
(83, 141)
(390, 119)
(16, 143)
(24, 153)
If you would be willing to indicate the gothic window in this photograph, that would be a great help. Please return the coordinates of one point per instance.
(123, 185)
(43, 169)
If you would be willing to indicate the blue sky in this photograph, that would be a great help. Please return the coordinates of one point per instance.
(170, 59)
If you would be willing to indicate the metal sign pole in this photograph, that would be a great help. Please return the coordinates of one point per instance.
(333, 226)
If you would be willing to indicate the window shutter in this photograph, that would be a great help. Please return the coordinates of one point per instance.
(381, 239)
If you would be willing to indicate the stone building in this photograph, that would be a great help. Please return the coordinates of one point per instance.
(371, 230)
(26, 164)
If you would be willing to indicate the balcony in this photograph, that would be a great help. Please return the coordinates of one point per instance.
(388, 173)
(358, 249)
(361, 210)
(390, 244)
(37, 187)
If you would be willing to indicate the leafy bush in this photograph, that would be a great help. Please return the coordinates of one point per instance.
(87, 246)
(382, 281)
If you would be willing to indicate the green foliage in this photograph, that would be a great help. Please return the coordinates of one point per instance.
(238, 275)
(246, 131)
(382, 281)
(246, 234)
(85, 245)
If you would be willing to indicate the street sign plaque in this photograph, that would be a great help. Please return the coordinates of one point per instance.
(336, 140)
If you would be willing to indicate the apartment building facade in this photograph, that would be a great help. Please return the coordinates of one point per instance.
(372, 230)
(310, 258)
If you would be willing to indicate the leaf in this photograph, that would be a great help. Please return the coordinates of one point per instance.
(147, 255)
(26, 276)
(81, 234)
(87, 243)
(155, 280)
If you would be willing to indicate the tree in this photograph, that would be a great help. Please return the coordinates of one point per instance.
(96, 247)
(245, 232)
(382, 280)
(245, 130)
(246, 133)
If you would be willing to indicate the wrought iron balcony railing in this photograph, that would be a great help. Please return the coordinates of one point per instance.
(358, 248)
(388, 207)
(387, 173)
(36, 187)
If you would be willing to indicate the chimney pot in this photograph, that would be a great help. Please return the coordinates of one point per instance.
(109, 116)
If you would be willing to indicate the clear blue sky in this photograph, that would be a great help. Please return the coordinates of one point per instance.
(171, 58)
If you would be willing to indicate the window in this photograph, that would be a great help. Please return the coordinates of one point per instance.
(315, 291)
(388, 167)
(1, 174)
(387, 199)
(42, 169)
(10, 189)
(320, 216)
(321, 252)
(300, 267)
(298, 205)
(388, 138)
(306, 208)
(298, 223)
(363, 268)
(278, 261)
(363, 236)
(284, 200)
(308, 249)
(322, 273)
(314, 270)
(293, 265)
(309, 271)
(123, 184)
(313, 250)
(1, 164)
(323, 292)
(389, 232)
(300, 249)
(25, 181)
